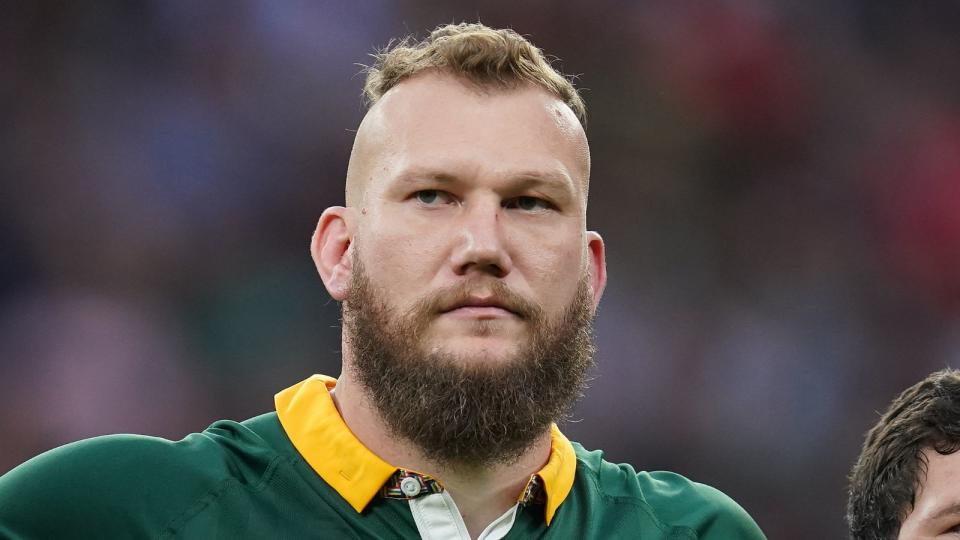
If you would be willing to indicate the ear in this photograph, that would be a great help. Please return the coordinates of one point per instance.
(330, 249)
(598, 266)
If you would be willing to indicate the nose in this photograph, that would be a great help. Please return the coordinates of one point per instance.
(480, 242)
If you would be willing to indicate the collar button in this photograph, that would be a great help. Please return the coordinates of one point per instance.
(410, 486)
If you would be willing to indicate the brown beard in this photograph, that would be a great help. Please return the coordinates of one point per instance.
(467, 412)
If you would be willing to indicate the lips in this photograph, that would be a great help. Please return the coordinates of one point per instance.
(481, 307)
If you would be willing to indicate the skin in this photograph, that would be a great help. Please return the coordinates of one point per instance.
(936, 512)
(450, 185)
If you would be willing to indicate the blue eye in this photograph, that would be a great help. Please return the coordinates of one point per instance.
(428, 196)
(433, 197)
(528, 204)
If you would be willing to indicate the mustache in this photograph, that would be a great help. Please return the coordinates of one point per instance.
(463, 293)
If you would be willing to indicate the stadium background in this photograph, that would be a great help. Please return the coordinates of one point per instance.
(778, 185)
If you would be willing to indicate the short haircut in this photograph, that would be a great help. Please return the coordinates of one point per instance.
(891, 466)
(482, 55)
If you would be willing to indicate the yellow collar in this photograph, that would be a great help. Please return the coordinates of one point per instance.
(311, 420)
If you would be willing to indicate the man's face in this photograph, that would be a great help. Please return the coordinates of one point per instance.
(936, 510)
(467, 277)
(478, 192)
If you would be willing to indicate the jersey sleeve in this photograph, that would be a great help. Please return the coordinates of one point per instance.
(710, 513)
(116, 486)
(726, 518)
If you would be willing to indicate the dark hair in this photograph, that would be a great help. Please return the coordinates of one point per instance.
(884, 481)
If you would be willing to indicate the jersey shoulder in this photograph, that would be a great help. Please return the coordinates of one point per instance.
(675, 501)
(123, 485)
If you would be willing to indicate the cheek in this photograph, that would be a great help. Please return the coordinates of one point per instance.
(396, 254)
(554, 268)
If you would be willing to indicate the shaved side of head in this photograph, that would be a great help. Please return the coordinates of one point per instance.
(369, 143)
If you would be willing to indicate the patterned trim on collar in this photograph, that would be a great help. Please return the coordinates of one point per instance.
(398, 486)
(311, 420)
(534, 493)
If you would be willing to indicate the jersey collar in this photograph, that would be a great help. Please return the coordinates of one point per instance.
(314, 426)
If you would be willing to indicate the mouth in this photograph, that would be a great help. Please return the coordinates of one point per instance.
(480, 308)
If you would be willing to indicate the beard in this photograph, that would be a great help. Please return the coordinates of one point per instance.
(467, 411)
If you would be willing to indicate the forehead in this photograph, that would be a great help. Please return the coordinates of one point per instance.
(439, 121)
(943, 473)
(938, 494)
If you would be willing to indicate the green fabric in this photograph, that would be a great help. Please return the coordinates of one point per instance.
(246, 480)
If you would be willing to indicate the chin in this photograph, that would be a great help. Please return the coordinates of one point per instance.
(479, 350)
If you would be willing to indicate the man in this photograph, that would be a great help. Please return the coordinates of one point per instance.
(906, 483)
(468, 283)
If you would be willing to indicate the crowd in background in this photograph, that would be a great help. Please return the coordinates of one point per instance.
(778, 185)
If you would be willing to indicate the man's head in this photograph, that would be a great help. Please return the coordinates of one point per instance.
(464, 238)
(906, 483)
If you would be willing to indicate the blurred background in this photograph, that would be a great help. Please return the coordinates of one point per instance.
(778, 184)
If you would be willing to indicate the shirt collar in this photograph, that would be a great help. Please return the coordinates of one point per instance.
(316, 429)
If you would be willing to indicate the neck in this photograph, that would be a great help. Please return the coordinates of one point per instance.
(482, 494)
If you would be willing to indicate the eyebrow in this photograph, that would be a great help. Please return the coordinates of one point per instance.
(949, 510)
(418, 174)
(524, 179)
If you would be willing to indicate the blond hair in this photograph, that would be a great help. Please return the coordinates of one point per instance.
(478, 53)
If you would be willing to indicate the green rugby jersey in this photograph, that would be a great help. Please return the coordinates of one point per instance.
(300, 473)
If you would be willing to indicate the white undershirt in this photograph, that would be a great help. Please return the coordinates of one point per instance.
(438, 518)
